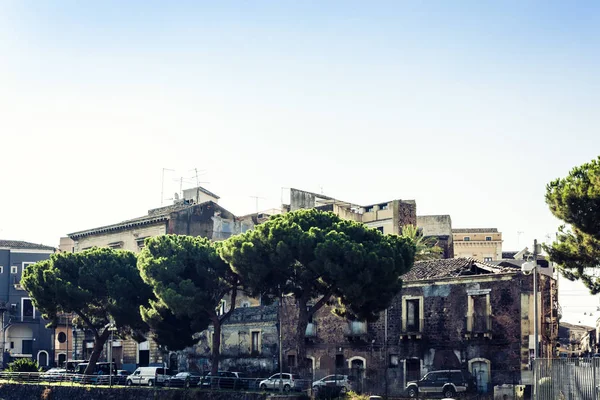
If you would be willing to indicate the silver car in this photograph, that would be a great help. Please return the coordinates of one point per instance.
(288, 381)
(342, 381)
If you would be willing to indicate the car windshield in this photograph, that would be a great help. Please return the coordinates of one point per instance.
(181, 375)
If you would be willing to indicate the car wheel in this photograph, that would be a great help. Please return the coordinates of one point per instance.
(449, 392)
(150, 382)
(412, 392)
(129, 383)
(343, 390)
(286, 388)
(263, 387)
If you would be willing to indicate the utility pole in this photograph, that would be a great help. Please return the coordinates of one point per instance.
(280, 341)
(536, 363)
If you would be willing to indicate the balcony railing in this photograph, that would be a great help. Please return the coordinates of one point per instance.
(479, 324)
(357, 328)
(23, 318)
(311, 330)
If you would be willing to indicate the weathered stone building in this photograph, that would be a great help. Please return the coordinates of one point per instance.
(455, 313)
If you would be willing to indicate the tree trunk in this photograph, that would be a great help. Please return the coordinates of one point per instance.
(301, 334)
(96, 351)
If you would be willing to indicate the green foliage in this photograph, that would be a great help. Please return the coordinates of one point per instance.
(98, 285)
(23, 365)
(426, 247)
(575, 200)
(189, 279)
(310, 253)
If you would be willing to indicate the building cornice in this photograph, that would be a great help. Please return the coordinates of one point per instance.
(119, 227)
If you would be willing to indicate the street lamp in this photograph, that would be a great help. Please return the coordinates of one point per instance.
(112, 328)
(528, 268)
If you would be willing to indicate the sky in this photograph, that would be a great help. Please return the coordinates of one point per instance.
(470, 108)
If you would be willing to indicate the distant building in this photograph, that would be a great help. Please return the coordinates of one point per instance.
(387, 217)
(483, 244)
(24, 334)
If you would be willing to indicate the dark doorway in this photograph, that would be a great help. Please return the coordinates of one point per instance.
(61, 360)
(144, 358)
(413, 369)
(27, 346)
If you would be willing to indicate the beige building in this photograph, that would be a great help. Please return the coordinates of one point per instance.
(388, 217)
(483, 244)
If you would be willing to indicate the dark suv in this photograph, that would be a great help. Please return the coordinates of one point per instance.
(447, 382)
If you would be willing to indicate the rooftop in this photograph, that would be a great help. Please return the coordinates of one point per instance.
(475, 230)
(452, 268)
(19, 244)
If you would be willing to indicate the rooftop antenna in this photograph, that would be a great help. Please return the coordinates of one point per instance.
(256, 198)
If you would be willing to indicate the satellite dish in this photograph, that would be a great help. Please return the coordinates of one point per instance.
(176, 196)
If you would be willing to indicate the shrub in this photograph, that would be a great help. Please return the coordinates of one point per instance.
(23, 365)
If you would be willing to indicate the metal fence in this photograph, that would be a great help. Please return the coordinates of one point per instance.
(567, 379)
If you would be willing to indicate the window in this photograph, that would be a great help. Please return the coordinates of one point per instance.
(466, 238)
(116, 245)
(140, 242)
(27, 309)
(12, 345)
(479, 306)
(221, 310)
(255, 349)
(245, 304)
(383, 206)
(339, 361)
(412, 315)
(62, 337)
(369, 209)
(487, 258)
(488, 238)
(291, 360)
(380, 229)
(1, 269)
(14, 269)
(25, 265)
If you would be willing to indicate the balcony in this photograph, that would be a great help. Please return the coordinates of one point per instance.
(356, 329)
(16, 318)
(479, 326)
(412, 329)
(311, 330)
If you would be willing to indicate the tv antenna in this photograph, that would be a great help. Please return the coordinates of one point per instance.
(519, 233)
(256, 199)
(162, 184)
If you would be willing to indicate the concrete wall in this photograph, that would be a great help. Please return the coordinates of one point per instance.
(439, 227)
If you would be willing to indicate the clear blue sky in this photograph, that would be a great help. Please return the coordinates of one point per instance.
(469, 108)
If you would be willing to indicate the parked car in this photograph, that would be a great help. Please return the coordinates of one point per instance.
(122, 375)
(343, 381)
(100, 374)
(54, 374)
(289, 382)
(224, 380)
(445, 382)
(183, 379)
(150, 376)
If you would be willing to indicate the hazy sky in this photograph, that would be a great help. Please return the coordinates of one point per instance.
(470, 108)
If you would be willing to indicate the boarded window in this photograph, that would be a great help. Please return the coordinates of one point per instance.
(412, 315)
(480, 315)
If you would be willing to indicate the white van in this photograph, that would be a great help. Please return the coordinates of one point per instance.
(148, 376)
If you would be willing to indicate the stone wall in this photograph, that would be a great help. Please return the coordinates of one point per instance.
(33, 392)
